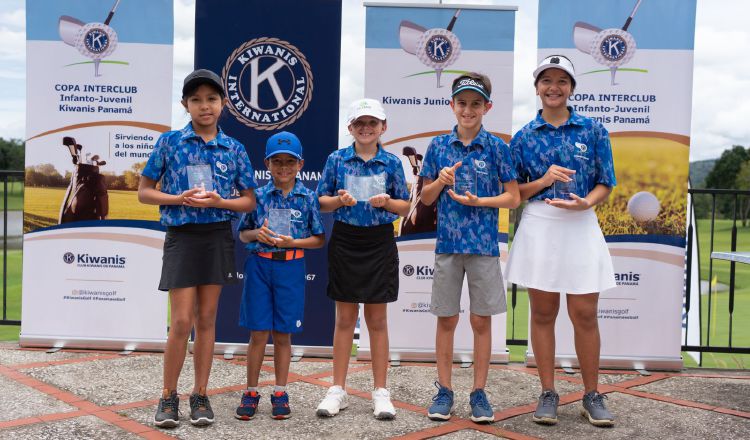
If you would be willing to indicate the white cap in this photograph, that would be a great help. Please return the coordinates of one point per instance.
(557, 62)
(365, 107)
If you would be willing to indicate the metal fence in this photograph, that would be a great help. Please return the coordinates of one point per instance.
(8, 177)
(729, 205)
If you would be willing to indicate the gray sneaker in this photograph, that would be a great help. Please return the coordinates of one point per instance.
(595, 411)
(546, 408)
(167, 412)
(201, 413)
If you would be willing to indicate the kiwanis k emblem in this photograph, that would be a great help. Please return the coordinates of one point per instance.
(269, 83)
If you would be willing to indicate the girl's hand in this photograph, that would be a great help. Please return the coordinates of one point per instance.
(467, 199)
(447, 174)
(203, 199)
(186, 194)
(346, 198)
(556, 172)
(576, 204)
(267, 236)
(379, 200)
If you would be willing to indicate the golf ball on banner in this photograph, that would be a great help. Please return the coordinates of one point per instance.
(612, 47)
(438, 48)
(96, 41)
(644, 206)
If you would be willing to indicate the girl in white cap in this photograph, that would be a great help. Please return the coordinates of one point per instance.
(365, 188)
(564, 164)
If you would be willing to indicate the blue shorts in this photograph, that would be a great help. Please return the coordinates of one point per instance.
(274, 295)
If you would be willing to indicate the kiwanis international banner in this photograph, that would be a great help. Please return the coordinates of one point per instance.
(280, 65)
(412, 55)
(99, 77)
(634, 67)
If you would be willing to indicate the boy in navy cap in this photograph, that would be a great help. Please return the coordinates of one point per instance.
(462, 171)
(286, 222)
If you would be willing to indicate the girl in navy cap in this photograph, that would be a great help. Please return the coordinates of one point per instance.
(564, 163)
(365, 188)
(199, 168)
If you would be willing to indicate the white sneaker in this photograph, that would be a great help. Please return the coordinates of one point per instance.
(381, 404)
(334, 401)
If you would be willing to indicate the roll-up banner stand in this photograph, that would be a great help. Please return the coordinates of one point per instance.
(98, 95)
(280, 63)
(413, 52)
(634, 68)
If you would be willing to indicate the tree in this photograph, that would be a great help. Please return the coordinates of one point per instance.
(743, 182)
(11, 154)
(724, 176)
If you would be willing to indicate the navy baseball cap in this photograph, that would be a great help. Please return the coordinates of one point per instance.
(468, 83)
(202, 76)
(284, 142)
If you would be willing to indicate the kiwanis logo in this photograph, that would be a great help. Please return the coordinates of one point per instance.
(439, 48)
(408, 270)
(269, 83)
(613, 47)
(69, 258)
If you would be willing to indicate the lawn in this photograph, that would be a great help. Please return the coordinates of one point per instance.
(15, 195)
(13, 312)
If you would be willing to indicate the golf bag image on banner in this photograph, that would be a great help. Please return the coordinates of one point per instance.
(86, 197)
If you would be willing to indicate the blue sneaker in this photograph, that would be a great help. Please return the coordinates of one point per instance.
(481, 410)
(280, 405)
(248, 405)
(442, 404)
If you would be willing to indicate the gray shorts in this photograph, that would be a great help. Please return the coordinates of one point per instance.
(486, 286)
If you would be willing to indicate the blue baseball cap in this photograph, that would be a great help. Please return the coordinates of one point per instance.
(284, 142)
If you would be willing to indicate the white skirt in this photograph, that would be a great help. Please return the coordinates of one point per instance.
(559, 250)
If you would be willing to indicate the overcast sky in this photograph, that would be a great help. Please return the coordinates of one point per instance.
(722, 67)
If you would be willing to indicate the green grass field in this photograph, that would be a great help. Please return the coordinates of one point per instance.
(15, 196)
(13, 311)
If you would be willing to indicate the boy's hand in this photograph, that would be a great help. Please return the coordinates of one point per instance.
(467, 199)
(577, 204)
(379, 200)
(203, 199)
(284, 241)
(346, 198)
(267, 236)
(447, 174)
(556, 172)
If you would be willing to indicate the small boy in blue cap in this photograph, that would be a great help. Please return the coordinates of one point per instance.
(287, 221)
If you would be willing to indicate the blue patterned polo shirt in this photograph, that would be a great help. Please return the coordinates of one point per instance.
(345, 161)
(465, 229)
(581, 144)
(176, 150)
(305, 215)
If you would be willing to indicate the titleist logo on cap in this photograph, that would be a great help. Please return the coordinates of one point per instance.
(470, 82)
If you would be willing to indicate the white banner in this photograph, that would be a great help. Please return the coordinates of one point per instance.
(413, 54)
(99, 93)
(634, 63)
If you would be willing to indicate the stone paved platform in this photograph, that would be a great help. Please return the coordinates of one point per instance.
(78, 394)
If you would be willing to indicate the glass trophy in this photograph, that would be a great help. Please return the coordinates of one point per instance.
(280, 221)
(464, 179)
(562, 189)
(200, 176)
(364, 187)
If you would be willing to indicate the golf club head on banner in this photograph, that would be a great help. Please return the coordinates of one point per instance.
(437, 48)
(92, 40)
(611, 47)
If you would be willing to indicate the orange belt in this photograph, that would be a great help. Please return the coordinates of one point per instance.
(291, 254)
